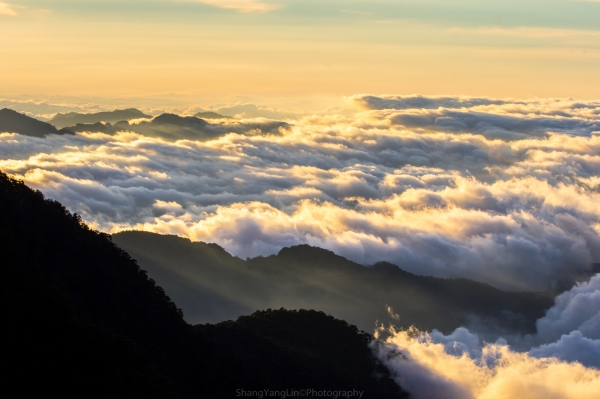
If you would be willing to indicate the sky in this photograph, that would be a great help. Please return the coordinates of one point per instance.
(303, 54)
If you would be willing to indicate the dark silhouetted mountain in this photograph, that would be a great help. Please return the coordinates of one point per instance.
(81, 319)
(181, 121)
(98, 127)
(313, 349)
(211, 285)
(211, 115)
(14, 122)
(173, 127)
(49, 349)
(169, 127)
(74, 118)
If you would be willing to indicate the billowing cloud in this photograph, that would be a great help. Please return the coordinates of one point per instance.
(545, 106)
(494, 119)
(575, 310)
(427, 370)
(509, 197)
(369, 102)
(562, 359)
(572, 347)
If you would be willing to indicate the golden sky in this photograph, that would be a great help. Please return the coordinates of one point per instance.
(219, 49)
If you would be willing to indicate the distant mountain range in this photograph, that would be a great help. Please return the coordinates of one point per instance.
(15, 122)
(210, 285)
(173, 127)
(74, 118)
(81, 319)
(168, 127)
(98, 127)
(211, 115)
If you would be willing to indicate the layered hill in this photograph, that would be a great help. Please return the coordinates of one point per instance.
(15, 122)
(173, 127)
(169, 127)
(211, 285)
(211, 115)
(82, 319)
(61, 120)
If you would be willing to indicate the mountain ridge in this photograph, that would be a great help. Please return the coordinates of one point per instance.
(15, 122)
(211, 115)
(166, 126)
(197, 273)
(62, 120)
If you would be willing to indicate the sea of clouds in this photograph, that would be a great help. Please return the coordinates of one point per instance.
(500, 191)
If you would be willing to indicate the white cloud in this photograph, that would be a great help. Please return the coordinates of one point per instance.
(576, 309)
(518, 212)
(572, 347)
(429, 368)
(564, 361)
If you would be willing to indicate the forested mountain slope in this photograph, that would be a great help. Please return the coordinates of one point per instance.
(83, 320)
(211, 285)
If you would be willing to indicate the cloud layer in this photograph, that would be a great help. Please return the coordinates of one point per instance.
(563, 360)
(500, 191)
(428, 371)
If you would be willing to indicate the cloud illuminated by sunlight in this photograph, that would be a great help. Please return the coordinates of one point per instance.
(497, 190)
(7, 9)
(245, 6)
(427, 370)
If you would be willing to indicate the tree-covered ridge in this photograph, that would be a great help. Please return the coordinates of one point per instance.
(295, 350)
(48, 348)
(85, 321)
(302, 276)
